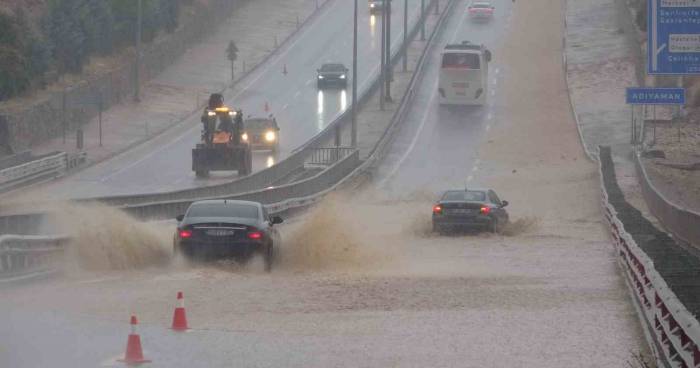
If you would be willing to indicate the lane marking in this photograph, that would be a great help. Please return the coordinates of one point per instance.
(469, 178)
(489, 116)
(415, 137)
(308, 82)
(488, 127)
(285, 106)
(475, 168)
(297, 94)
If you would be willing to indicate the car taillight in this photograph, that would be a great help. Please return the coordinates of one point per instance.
(184, 234)
(255, 235)
(437, 209)
(485, 210)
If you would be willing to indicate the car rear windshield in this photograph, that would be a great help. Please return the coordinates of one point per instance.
(459, 60)
(462, 195)
(223, 210)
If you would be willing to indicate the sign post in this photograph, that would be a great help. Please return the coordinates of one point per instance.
(673, 37)
(652, 96)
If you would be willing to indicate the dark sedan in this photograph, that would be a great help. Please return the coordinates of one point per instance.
(227, 229)
(469, 209)
(332, 74)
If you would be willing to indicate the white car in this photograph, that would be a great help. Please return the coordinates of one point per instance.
(480, 10)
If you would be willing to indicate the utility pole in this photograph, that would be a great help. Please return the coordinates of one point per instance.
(137, 81)
(405, 36)
(382, 72)
(353, 134)
(422, 20)
(388, 75)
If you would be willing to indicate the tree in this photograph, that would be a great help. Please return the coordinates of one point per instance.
(66, 33)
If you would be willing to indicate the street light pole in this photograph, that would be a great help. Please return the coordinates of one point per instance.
(137, 81)
(387, 63)
(382, 73)
(353, 133)
(422, 20)
(405, 36)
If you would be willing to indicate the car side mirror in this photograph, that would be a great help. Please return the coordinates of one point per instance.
(504, 203)
(488, 56)
(276, 220)
(179, 218)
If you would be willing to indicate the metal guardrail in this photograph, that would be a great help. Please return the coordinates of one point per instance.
(266, 177)
(44, 168)
(682, 222)
(24, 256)
(672, 331)
(326, 156)
(269, 196)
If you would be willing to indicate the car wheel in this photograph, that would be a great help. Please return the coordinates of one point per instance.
(268, 258)
(202, 173)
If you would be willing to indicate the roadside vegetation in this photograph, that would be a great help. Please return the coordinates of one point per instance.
(39, 45)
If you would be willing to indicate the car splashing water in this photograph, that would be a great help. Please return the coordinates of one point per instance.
(338, 235)
(105, 238)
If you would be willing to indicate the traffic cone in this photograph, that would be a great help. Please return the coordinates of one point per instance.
(267, 107)
(134, 353)
(180, 317)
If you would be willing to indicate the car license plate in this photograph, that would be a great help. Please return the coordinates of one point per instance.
(220, 232)
(461, 211)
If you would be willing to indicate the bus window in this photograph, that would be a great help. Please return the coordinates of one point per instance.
(461, 61)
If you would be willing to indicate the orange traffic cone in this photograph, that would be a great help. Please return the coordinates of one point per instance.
(267, 107)
(180, 317)
(134, 353)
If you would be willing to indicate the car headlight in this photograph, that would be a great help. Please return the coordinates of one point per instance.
(244, 137)
(232, 113)
(342, 76)
(320, 77)
(270, 136)
(211, 113)
(371, 5)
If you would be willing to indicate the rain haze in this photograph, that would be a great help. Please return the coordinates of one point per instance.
(348, 183)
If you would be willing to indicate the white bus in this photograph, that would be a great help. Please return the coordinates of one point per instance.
(464, 74)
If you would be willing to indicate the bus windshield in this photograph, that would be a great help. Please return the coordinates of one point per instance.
(461, 61)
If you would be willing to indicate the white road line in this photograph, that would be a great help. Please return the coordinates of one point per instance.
(489, 116)
(470, 178)
(270, 63)
(475, 168)
(493, 93)
(458, 28)
(308, 82)
(488, 127)
(297, 94)
(285, 106)
(415, 137)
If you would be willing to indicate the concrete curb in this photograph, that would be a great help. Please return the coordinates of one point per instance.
(590, 155)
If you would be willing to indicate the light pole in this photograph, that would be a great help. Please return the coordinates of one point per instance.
(382, 73)
(387, 63)
(353, 129)
(422, 20)
(137, 77)
(405, 36)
